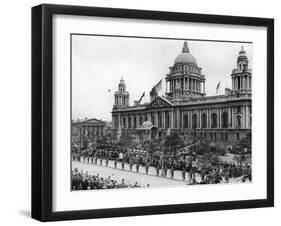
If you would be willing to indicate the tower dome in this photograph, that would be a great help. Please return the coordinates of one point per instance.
(185, 57)
(122, 85)
(242, 55)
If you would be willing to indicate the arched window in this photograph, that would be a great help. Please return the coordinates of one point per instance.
(185, 121)
(204, 120)
(194, 121)
(238, 118)
(224, 120)
(214, 120)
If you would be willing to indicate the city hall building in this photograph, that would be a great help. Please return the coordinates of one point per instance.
(185, 108)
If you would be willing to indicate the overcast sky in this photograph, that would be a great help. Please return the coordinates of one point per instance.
(98, 63)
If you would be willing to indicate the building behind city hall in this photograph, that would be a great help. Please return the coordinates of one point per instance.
(185, 108)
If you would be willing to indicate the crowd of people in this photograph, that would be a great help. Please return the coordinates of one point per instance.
(190, 168)
(85, 181)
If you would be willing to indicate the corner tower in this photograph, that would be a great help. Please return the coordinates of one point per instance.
(121, 96)
(242, 75)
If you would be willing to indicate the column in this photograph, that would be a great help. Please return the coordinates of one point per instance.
(138, 120)
(113, 124)
(179, 119)
(209, 117)
(172, 119)
(193, 85)
(229, 117)
(204, 86)
(233, 118)
(219, 117)
(127, 121)
(163, 119)
(156, 118)
(200, 118)
(246, 117)
(190, 119)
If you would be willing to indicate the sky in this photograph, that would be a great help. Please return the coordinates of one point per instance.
(99, 62)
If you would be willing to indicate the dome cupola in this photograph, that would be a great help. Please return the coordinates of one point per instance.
(242, 55)
(185, 57)
(122, 85)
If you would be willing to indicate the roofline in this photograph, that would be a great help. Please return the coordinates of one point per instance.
(86, 120)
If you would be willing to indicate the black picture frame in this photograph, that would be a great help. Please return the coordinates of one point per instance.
(42, 107)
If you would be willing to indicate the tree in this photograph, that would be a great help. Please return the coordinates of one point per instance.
(244, 144)
(173, 142)
(126, 141)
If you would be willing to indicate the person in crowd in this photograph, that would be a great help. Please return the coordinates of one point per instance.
(115, 163)
(123, 164)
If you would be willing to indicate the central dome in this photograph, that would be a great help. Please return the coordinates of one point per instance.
(185, 56)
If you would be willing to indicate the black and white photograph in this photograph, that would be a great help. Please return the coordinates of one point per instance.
(158, 112)
(143, 112)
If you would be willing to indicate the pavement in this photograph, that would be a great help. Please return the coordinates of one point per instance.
(131, 177)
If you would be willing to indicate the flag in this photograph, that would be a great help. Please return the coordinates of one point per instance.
(158, 86)
(218, 86)
(143, 94)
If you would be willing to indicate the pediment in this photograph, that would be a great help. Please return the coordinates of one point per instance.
(90, 121)
(159, 102)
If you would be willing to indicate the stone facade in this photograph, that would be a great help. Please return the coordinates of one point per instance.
(185, 108)
(87, 129)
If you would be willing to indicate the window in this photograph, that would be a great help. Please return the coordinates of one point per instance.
(204, 120)
(226, 136)
(194, 121)
(214, 120)
(238, 118)
(185, 121)
(124, 122)
(224, 120)
(140, 120)
(167, 120)
(129, 120)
